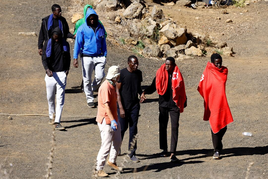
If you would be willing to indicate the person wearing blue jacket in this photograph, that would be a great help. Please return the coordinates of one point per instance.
(91, 43)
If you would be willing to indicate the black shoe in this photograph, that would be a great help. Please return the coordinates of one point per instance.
(91, 105)
(173, 158)
(164, 153)
(58, 126)
(216, 156)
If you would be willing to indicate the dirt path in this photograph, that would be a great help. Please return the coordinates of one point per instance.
(30, 148)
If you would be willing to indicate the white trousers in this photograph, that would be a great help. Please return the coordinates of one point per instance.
(88, 65)
(110, 144)
(55, 86)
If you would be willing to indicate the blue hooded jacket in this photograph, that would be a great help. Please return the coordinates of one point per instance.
(89, 42)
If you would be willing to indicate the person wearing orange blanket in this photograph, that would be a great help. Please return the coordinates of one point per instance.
(212, 88)
(169, 84)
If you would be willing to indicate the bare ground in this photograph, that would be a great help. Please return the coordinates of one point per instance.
(30, 148)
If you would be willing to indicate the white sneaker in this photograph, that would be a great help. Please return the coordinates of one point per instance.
(193, 6)
(134, 159)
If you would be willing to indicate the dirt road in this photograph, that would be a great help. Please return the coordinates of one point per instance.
(31, 148)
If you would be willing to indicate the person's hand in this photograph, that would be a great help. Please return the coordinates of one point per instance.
(49, 73)
(74, 36)
(40, 51)
(114, 125)
(143, 97)
(75, 63)
(122, 113)
(67, 72)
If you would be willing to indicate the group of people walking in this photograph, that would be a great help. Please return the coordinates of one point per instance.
(120, 95)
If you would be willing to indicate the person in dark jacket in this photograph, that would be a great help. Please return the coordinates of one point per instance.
(56, 61)
(169, 84)
(49, 23)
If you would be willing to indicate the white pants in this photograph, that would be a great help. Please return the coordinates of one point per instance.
(110, 144)
(88, 65)
(55, 85)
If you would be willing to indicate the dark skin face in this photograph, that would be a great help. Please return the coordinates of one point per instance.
(55, 37)
(133, 65)
(57, 13)
(218, 63)
(93, 20)
(170, 66)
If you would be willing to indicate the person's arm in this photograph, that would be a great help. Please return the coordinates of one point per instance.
(110, 115)
(41, 39)
(149, 90)
(119, 102)
(77, 47)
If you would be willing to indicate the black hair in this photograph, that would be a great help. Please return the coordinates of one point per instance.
(215, 56)
(54, 7)
(130, 57)
(171, 59)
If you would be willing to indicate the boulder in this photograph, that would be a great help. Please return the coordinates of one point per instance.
(168, 31)
(164, 48)
(227, 51)
(163, 40)
(151, 51)
(183, 2)
(135, 27)
(157, 13)
(193, 51)
(111, 4)
(171, 53)
(181, 36)
(189, 44)
(149, 26)
(133, 10)
(179, 49)
(117, 19)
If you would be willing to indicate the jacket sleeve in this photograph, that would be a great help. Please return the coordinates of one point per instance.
(150, 89)
(44, 57)
(41, 37)
(104, 46)
(67, 32)
(78, 43)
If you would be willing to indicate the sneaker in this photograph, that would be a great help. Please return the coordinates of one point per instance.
(91, 105)
(114, 166)
(134, 159)
(164, 153)
(193, 6)
(173, 158)
(58, 126)
(216, 156)
(101, 173)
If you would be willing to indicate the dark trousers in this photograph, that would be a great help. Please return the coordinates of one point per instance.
(163, 123)
(217, 139)
(130, 120)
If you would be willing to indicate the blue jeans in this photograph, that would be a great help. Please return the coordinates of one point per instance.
(131, 119)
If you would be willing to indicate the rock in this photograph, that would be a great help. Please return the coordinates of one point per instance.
(135, 27)
(227, 51)
(76, 17)
(168, 31)
(164, 48)
(181, 36)
(228, 21)
(170, 4)
(133, 10)
(27, 33)
(149, 26)
(183, 2)
(111, 4)
(171, 53)
(117, 19)
(131, 41)
(189, 44)
(182, 57)
(151, 51)
(179, 48)
(157, 14)
(163, 40)
(193, 51)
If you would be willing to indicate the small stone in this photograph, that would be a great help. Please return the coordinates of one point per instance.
(10, 118)
(228, 21)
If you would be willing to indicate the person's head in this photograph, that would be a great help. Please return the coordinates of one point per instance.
(56, 10)
(216, 59)
(133, 63)
(170, 64)
(113, 73)
(56, 34)
(92, 17)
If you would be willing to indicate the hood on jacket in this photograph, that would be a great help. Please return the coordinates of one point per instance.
(91, 12)
(57, 31)
(85, 10)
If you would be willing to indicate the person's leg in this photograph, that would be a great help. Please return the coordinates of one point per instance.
(60, 77)
(217, 139)
(174, 118)
(133, 129)
(87, 69)
(163, 122)
(106, 142)
(51, 91)
(99, 72)
(116, 144)
(123, 123)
